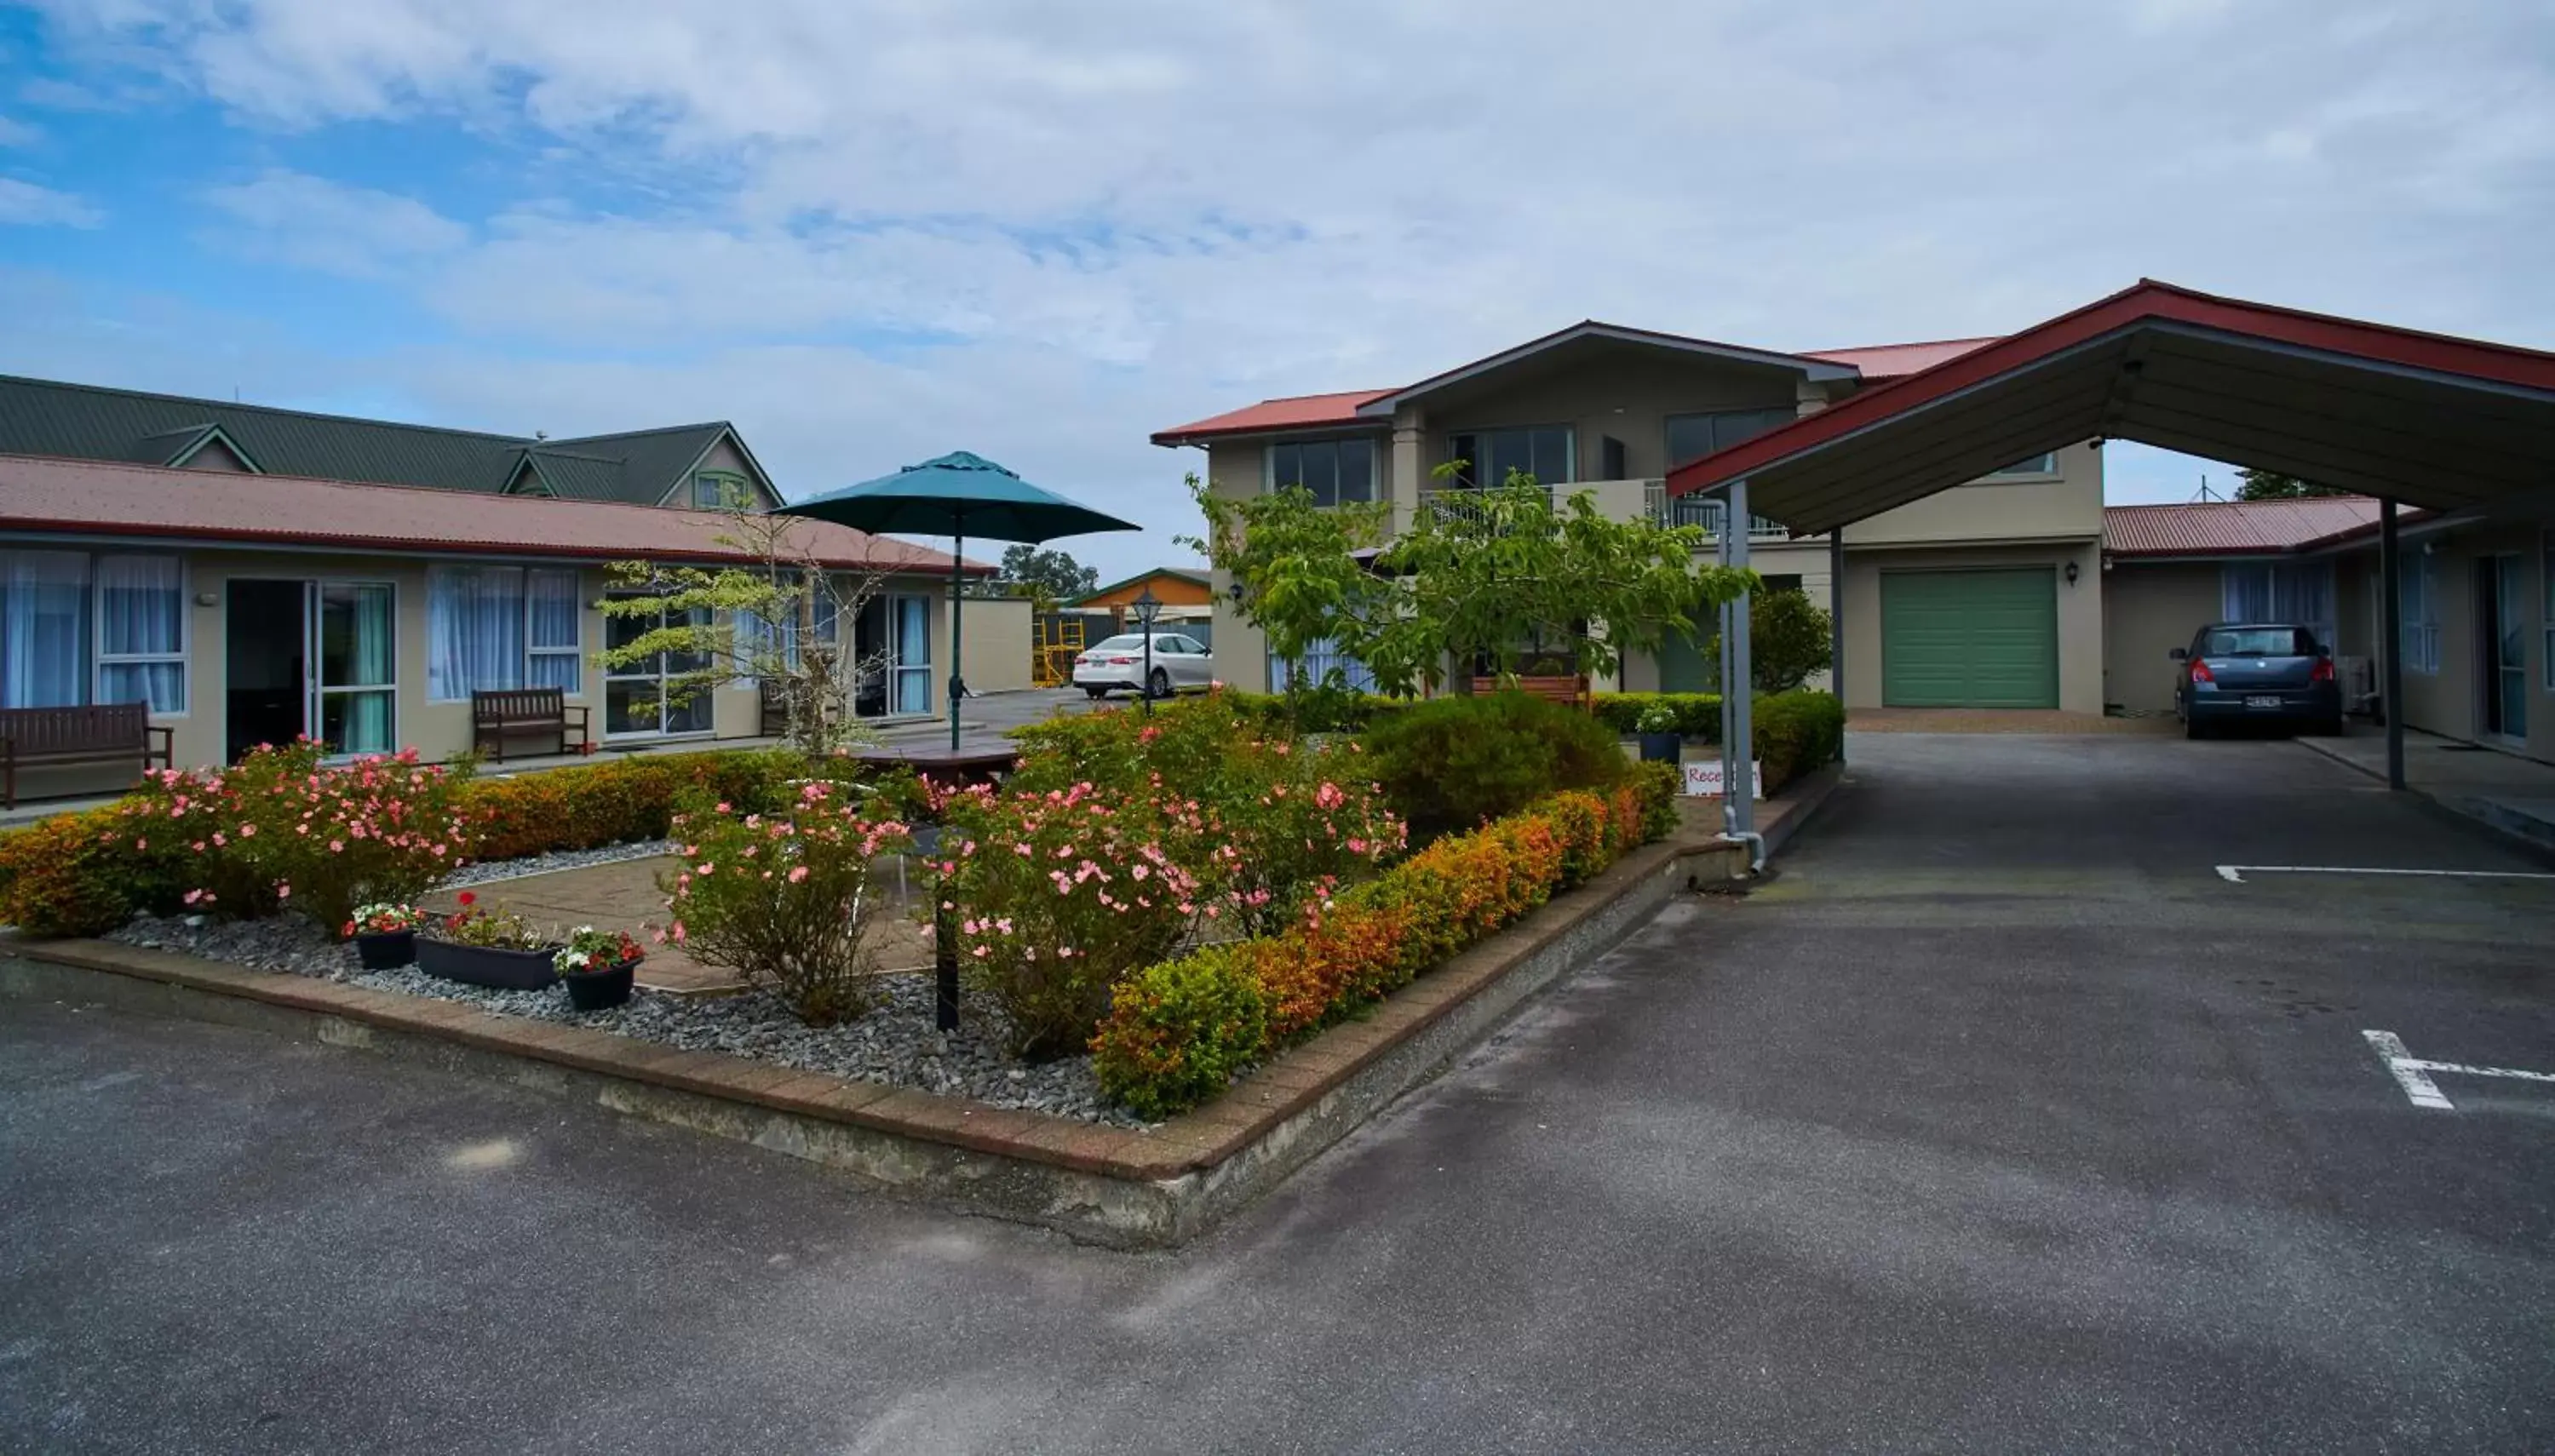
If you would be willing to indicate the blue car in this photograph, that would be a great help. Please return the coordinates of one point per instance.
(2273, 674)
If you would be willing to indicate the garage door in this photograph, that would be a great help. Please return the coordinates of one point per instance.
(1969, 639)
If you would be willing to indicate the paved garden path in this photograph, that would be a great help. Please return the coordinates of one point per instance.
(1999, 1122)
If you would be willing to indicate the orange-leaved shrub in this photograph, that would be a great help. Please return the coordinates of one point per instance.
(1178, 1031)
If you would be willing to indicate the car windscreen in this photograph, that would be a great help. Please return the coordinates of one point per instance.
(2257, 642)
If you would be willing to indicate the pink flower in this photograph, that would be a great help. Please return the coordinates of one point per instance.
(798, 873)
(283, 892)
(704, 868)
(194, 894)
(337, 846)
(248, 831)
(982, 952)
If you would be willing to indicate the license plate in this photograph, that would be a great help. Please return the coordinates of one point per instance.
(2262, 702)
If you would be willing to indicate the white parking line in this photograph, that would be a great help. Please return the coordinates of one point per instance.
(2234, 874)
(2413, 1074)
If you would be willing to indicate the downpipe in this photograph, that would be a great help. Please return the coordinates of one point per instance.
(1757, 847)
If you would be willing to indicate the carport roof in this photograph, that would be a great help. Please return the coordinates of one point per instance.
(2436, 420)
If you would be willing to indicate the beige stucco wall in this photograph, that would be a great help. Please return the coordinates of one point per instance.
(2079, 611)
(1627, 395)
(2024, 508)
(2450, 702)
(997, 658)
(722, 455)
(2147, 611)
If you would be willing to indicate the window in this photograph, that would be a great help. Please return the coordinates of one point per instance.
(1693, 436)
(2290, 593)
(754, 635)
(2041, 464)
(714, 492)
(1489, 456)
(910, 620)
(663, 694)
(2417, 600)
(1322, 660)
(142, 631)
(490, 628)
(1338, 472)
(356, 687)
(76, 628)
(2258, 642)
(2546, 606)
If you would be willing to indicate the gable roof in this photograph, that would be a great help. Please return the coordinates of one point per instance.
(1589, 329)
(41, 417)
(99, 499)
(1176, 573)
(2235, 528)
(1896, 361)
(2424, 418)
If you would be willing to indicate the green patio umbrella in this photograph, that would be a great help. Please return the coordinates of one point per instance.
(958, 495)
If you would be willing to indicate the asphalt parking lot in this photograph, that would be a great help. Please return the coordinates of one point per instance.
(2000, 1120)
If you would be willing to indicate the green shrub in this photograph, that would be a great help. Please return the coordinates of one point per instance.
(591, 805)
(1697, 714)
(88, 873)
(1175, 1034)
(1453, 762)
(1798, 732)
(1179, 1030)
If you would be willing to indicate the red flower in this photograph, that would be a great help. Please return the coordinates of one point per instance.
(466, 898)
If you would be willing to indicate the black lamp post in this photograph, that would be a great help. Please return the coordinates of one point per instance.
(1148, 607)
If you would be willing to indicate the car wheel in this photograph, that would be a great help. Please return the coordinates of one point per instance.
(2194, 729)
(1096, 693)
(1160, 685)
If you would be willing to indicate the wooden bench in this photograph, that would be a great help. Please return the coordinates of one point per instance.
(520, 712)
(102, 733)
(1568, 692)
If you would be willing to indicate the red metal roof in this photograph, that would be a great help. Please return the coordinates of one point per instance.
(1894, 361)
(96, 497)
(2143, 304)
(1296, 412)
(2233, 528)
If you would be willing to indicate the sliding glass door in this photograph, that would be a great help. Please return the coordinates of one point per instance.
(354, 692)
(912, 616)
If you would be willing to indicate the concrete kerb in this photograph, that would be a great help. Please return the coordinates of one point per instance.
(1104, 1185)
(2507, 826)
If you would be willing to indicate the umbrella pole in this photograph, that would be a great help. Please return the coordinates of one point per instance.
(958, 603)
(944, 926)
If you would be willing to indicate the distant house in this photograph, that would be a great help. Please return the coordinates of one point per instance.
(689, 465)
(1187, 597)
(255, 574)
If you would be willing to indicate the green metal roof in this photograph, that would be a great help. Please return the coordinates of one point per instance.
(40, 416)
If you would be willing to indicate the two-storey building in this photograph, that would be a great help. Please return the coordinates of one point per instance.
(1987, 595)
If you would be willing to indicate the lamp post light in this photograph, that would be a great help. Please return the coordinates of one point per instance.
(1148, 607)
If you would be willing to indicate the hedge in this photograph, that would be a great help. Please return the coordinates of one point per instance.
(1795, 732)
(70, 875)
(1179, 1030)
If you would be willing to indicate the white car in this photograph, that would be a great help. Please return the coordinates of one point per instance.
(1182, 664)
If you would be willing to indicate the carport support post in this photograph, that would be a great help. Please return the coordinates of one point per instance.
(1836, 620)
(2390, 597)
(1738, 710)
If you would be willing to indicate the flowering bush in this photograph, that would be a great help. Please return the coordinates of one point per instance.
(1177, 1032)
(282, 829)
(1058, 896)
(1284, 821)
(783, 899)
(590, 949)
(493, 929)
(382, 917)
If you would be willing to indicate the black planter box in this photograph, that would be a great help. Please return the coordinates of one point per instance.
(600, 990)
(1662, 748)
(486, 965)
(386, 950)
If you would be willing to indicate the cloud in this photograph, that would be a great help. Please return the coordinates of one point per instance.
(30, 206)
(311, 223)
(1062, 227)
(19, 132)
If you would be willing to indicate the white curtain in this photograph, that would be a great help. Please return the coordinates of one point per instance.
(474, 630)
(141, 624)
(43, 629)
(552, 617)
(2300, 592)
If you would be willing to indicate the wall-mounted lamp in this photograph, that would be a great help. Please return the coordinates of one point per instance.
(2072, 570)
(1233, 589)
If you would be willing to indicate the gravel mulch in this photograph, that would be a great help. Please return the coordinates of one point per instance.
(893, 1043)
(566, 859)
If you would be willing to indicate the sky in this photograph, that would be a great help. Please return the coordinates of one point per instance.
(872, 233)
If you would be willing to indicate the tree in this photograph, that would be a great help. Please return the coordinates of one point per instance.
(1301, 581)
(1048, 579)
(1512, 570)
(2267, 485)
(1788, 639)
(782, 618)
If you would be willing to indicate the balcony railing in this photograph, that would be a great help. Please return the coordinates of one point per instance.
(1703, 511)
(1457, 503)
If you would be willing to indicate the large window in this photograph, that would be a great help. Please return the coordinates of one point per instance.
(2299, 593)
(2417, 602)
(1693, 436)
(78, 629)
(661, 694)
(491, 628)
(1324, 662)
(1339, 472)
(720, 491)
(1488, 457)
(2041, 464)
(356, 687)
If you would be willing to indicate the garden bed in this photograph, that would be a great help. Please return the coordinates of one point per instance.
(895, 1043)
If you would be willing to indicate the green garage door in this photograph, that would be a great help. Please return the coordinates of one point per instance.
(1969, 639)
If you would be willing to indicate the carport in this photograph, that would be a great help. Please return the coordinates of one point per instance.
(2449, 423)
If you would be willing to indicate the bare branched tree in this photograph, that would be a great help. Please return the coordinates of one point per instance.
(780, 618)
